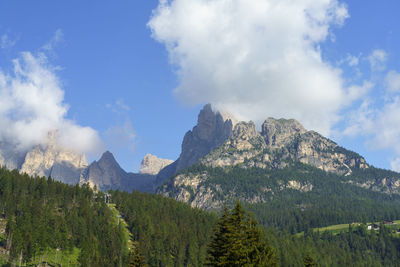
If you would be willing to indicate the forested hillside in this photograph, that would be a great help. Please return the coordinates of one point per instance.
(47, 221)
(293, 198)
(43, 216)
(169, 233)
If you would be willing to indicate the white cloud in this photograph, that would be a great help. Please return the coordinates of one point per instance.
(381, 125)
(7, 42)
(351, 60)
(56, 39)
(377, 60)
(255, 58)
(118, 107)
(32, 105)
(392, 81)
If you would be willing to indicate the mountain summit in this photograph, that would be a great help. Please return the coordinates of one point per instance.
(214, 143)
(106, 174)
(152, 164)
(211, 131)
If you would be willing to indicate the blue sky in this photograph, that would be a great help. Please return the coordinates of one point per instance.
(140, 86)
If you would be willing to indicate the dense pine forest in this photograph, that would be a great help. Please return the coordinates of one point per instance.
(43, 220)
(332, 200)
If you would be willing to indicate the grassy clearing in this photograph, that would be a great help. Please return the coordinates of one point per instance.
(335, 229)
(127, 233)
(52, 257)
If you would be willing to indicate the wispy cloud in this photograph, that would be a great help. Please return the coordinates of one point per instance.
(55, 40)
(7, 42)
(392, 81)
(377, 60)
(118, 106)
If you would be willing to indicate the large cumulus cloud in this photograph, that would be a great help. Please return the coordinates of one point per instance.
(256, 58)
(32, 105)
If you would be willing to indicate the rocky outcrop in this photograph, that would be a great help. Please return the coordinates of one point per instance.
(280, 133)
(50, 160)
(210, 132)
(279, 143)
(245, 143)
(314, 149)
(387, 185)
(153, 164)
(302, 187)
(288, 140)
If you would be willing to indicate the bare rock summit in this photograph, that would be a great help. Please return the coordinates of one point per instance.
(211, 131)
(152, 164)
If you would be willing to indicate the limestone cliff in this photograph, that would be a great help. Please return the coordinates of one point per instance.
(279, 133)
(244, 143)
(152, 164)
(279, 143)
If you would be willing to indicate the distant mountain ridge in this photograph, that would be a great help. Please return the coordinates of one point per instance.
(70, 167)
(106, 174)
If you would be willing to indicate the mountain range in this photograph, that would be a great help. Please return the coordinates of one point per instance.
(217, 144)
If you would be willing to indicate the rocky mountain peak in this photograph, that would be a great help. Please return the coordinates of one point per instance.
(245, 130)
(107, 174)
(104, 173)
(278, 133)
(107, 158)
(210, 132)
(152, 164)
(211, 126)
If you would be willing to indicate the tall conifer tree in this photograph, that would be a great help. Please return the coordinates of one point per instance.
(238, 241)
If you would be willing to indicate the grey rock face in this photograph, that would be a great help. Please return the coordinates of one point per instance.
(210, 132)
(153, 164)
(280, 142)
(245, 143)
(278, 133)
(105, 173)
